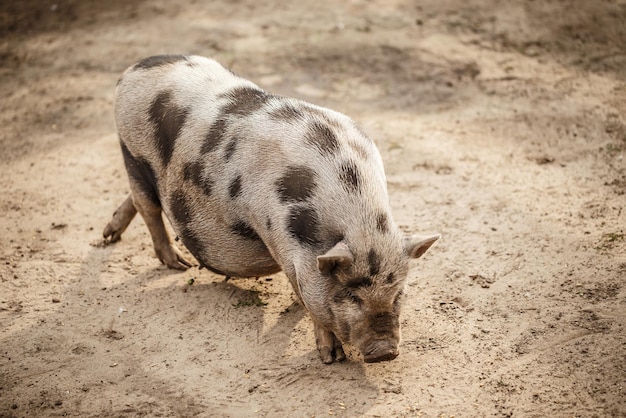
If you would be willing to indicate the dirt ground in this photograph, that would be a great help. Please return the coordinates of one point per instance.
(502, 126)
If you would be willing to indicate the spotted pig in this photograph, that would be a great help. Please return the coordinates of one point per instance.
(254, 183)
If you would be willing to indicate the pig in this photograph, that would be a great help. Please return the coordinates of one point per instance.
(254, 183)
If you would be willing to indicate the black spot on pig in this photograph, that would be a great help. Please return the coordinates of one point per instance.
(244, 230)
(207, 186)
(268, 224)
(214, 136)
(234, 189)
(140, 171)
(359, 282)
(349, 175)
(303, 224)
(159, 61)
(230, 149)
(390, 278)
(382, 223)
(168, 120)
(193, 172)
(322, 137)
(244, 100)
(287, 113)
(181, 212)
(195, 246)
(374, 262)
(297, 184)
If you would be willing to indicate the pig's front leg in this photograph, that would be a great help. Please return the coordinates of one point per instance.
(328, 345)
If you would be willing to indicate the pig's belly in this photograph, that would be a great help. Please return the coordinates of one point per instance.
(239, 254)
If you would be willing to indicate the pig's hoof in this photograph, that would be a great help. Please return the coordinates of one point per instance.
(329, 355)
(173, 259)
(179, 263)
(111, 233)
(178, 266)
(121, 218)
(326, 355)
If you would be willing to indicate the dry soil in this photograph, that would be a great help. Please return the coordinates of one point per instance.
(502, 126)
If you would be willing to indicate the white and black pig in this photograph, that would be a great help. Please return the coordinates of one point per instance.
(255, 183)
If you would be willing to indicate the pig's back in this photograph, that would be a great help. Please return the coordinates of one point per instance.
(247, 177)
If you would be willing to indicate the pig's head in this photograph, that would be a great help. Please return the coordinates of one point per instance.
(363, 292)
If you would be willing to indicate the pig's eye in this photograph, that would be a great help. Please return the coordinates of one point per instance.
(354, 298)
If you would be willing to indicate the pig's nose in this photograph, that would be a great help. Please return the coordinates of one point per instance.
(381, 354)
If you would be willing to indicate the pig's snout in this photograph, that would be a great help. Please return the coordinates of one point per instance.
(380, 351)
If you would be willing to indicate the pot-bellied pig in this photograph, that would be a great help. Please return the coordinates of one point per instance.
(254, 183)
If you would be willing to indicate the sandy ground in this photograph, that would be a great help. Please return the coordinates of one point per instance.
(502, 125)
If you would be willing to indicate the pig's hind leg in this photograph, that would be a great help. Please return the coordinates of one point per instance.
(120, 221)
(144, 198)
(163, 247)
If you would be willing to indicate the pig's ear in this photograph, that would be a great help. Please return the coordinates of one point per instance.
(338, 256)
(416, 245)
